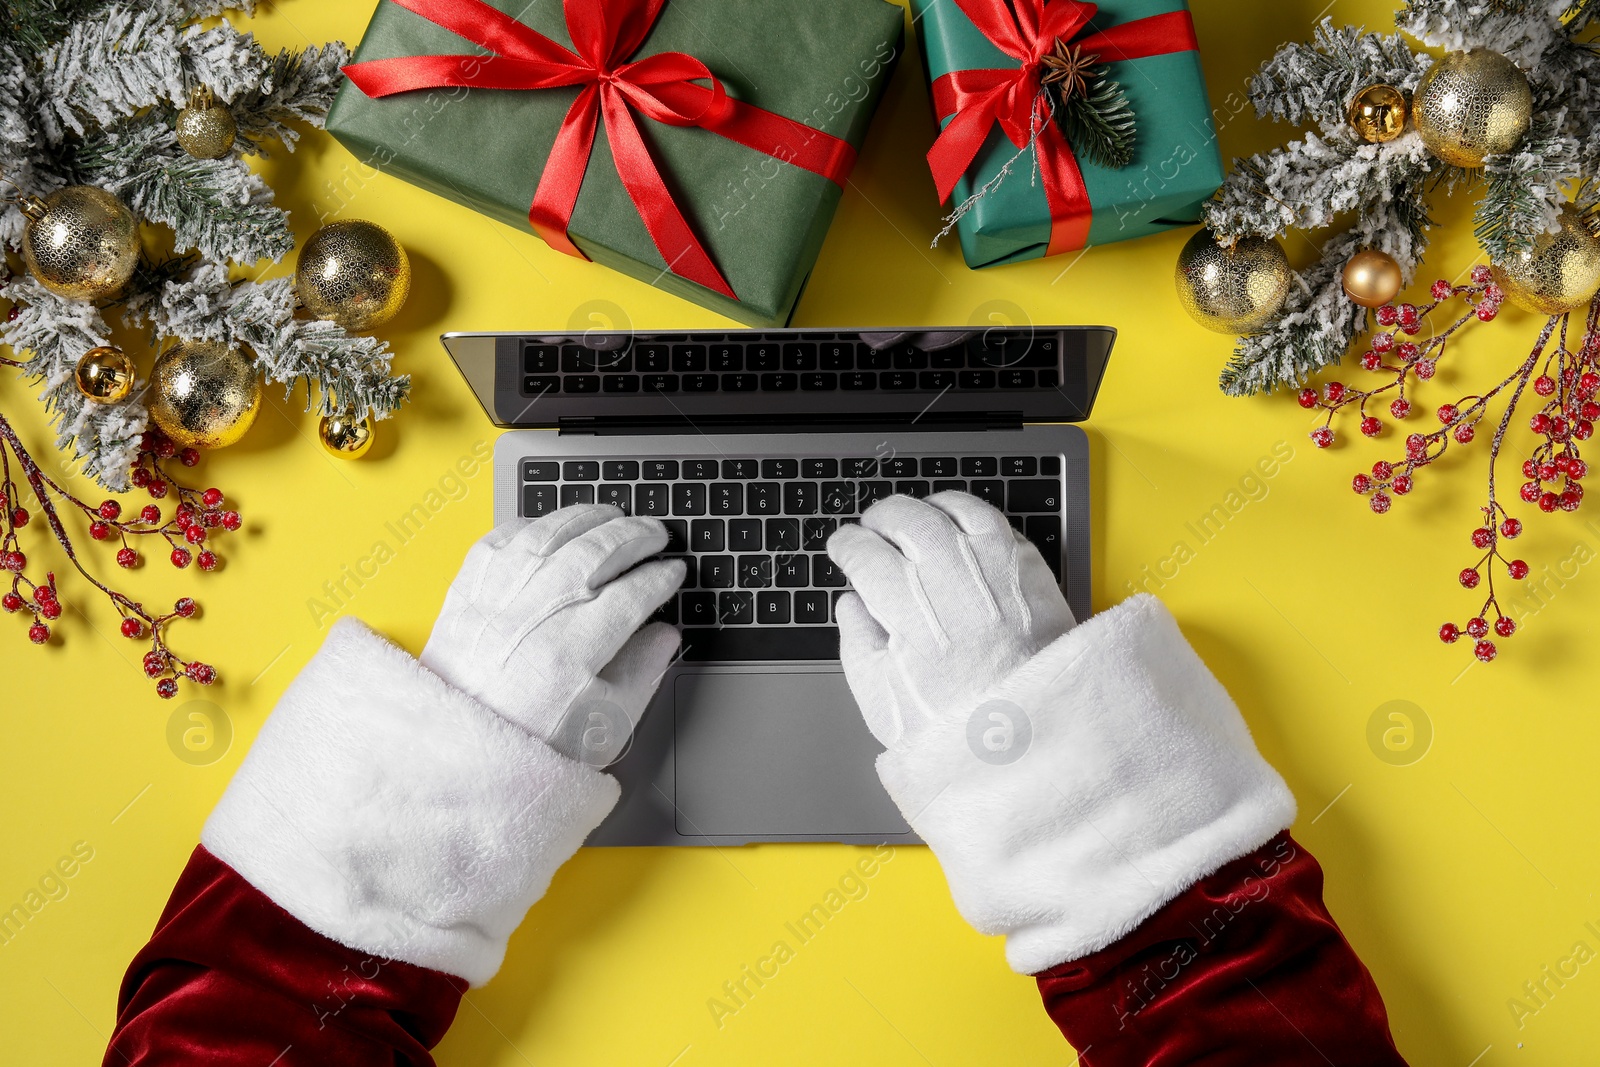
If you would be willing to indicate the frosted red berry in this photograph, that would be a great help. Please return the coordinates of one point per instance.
(20, 517)
(1547, 472)
(1469, 578)
(1511, 528)
(1408, 351)
(1505, 626)
(1402, 484)
(1477, 627)
(185, 607)
(189, 457)
(1370, 360)
(109, 510)
(1486, 312)
(50, 609)
(13, 561)
(157, 488)
(1416, 444)
(230, 520)
(1387, 315)
(1407, 314)
(154, 664)
(1448, 413)
(1440, 290)
(140, 477)
(1382, 469)
(150, 513)
(1426, 368)
(165, 448)
(211, 497)
(1322, 437)
(166, 689)
(38, 633)
(127, 557)
(1482, 537)
(1361, 483)
(211, 519)
(1308, 398)
(1577, 469)
(1544, 385)
(1334, 391)
(202, 673)
(11, 602)
(181, 557)
(1583, 430)
(207, 561)
(1481, 275)
(1540, 423)
(1530, 469)
(1464, 433)
(1484, 650)
(184, 516)
(99, 531)
(1548, 502)
(132, 628)
(194, 534)
(1379, 503)
(1400, 408)
(1448, 633)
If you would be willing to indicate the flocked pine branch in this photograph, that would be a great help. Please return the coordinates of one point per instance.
(296, 87)
(1522, 193)
(1315, 82)
(1520, 30)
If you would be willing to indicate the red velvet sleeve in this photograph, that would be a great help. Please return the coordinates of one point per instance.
(231, 979)
(1244, 968)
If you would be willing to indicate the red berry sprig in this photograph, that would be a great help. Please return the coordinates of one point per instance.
(197, 515)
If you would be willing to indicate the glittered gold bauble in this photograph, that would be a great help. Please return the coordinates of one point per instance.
(1371, 278)
(344, 436)
(1560, 273)
(354, 273)
(80, 242)
(204, 394)
(1232, 290)
(1470, 105)
(104, 375)
(1378, 113)
(205, 128)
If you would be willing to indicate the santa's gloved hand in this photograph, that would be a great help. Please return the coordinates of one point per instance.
(541, 624)
(1070, 779)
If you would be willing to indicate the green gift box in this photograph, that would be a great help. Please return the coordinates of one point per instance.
(458, 97)
(1176, 165)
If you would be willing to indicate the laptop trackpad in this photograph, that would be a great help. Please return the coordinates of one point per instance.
(775, 755)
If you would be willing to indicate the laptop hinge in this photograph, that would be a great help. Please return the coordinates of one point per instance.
(818, 422)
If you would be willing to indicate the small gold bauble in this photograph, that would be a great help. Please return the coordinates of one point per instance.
(204, 394)
(205, 127)
(1371, 278)
(80, 242)
(1560, 273)
(1470, 105)
(104, 375)
(345, 437)
(1232, 290)
(1378, 113)
(354, 273)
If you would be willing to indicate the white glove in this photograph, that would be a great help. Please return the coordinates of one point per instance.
(540, 626)
(1071, 779)
(951, 600)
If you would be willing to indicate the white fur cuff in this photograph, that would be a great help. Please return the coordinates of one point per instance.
(395, 815)
(1117, 774)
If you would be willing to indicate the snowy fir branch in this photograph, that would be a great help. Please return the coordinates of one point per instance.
(1522, 195)
(295, 87)
(49, 334)
(1520, 30)
(1315, 82)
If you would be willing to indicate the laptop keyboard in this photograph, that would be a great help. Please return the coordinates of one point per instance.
(816, 363)
(753, 531)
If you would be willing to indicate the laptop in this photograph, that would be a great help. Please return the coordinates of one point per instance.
(752, 446)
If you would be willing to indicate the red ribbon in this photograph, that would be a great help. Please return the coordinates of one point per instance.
(1013, 97)
(663, 87)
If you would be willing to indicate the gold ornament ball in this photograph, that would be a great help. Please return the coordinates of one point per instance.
(1232, 290)
(344, 436)
(205, 128)
(104, 375)
(1470, 105)
(1371, 278)
(205, 394)
(1378, 113)
(1560, 273)
(354, 273)
(80, 242)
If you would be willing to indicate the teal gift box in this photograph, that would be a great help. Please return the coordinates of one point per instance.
(1176, 165)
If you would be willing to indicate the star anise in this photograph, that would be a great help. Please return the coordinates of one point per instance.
(1069, 69)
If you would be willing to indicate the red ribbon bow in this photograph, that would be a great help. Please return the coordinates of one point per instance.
(1013, 97)
(663, 87)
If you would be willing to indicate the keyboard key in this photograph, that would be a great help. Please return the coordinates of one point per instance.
(819, 382)
(772, 607)
(698, 609)
(755, 572)
(575, 359)
(952, 358)
(1045, 533)
(819, 468)
(740, 383)
(708, 535)
(912, 489)
(667, 613)
(689, 498)
(735, 609)
(538, 385)
(1019, 466)
(1050, 465)
(541, 359)
(576, 494)
(688, 358)
(689, 570)
(1033, 496)
(837, 355)
(858, 380)
(792, 572)
(608, 360)
(800, 355)
(814, 533)
(660, 470)
(900, 467)
(538, 500)
(825, 573)
(716, 572)
(869, 358)
(811, 606)
(620, 383)
(1049, 379)
(869, 493)
(699, 383)
(979, 467)
(660, 383)
(950, 486)
(764, 498)
(1008, 350)
(779, 383)
(744, 469)
(581, 383)
(898, 379)
(617, 495)
(652, 357)
(800, 498)
(620, 470)
(860, 468)
(838, 498)
(737, 644)
(975, 379)
(700, 469)
(938, 466)
(726, 357)
(744, 535)
(936, 379)
(652, 498)
(727, 498)
(677, 535)
(540, 470)
(1016, 379)
(990, 492)
(908, 357)
(762, 356)
(780, 468)
(580, 470)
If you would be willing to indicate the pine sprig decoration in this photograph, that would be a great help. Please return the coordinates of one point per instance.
(1315, 82)
(1522, 194)
(1089, 106)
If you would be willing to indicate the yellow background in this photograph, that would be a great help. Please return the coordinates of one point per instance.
(1457, 877)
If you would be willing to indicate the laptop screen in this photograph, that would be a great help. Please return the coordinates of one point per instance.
(784, 378)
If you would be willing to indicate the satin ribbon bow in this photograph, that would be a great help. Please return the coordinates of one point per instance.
(663, 87)
(1013, 97)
